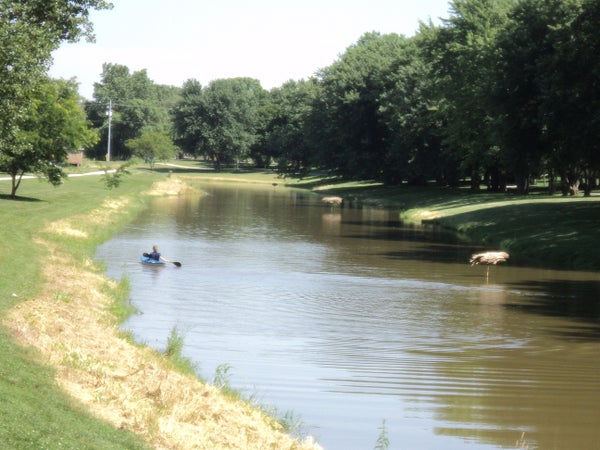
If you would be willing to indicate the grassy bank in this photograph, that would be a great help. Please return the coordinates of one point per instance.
(68, 378)
(539, 229)
(35, 411)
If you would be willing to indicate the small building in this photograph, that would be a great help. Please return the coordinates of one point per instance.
(75, 158)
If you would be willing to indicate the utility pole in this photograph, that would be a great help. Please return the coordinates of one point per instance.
(109, 112)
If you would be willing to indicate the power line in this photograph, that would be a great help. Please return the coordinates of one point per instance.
(130, 105)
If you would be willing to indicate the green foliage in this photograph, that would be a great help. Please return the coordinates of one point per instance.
(152, 146)
(137, 104)
(29, 32)
(383, 442)
(292, 424)
(354, 140)
(221, 377)
(462, 56)
(54, 124)
(121, 307)
(174, 352)
(186, 118)
(286, 133)
(113, 179)
(221, 120)
(57, 123)
(498, 94)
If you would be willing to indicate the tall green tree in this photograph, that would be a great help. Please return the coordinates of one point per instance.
(286, 137)
(463, 57)
(538, 105)
(136, 104)
(414, 150)
(581, 73)
(54, 124)
(354, 137)
(187, 118)
(29, 31)
(223, 121)
(569, 94)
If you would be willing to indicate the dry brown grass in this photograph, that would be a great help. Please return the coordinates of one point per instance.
(170, 186)
(132, 387)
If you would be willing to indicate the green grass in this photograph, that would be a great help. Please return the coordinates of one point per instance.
(122, 308)
(35, 412)
(174, 353)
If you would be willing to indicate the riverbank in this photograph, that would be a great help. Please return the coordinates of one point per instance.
(537, 230)
(63, 308)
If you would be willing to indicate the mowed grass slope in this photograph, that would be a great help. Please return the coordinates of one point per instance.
(35, 413)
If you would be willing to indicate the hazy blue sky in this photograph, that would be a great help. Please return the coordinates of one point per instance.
(270, 40)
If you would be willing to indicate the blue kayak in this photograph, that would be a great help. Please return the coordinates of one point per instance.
(154, 262)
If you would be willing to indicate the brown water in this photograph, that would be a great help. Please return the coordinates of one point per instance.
(348, 319)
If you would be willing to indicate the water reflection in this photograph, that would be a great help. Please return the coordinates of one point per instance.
(346, 317)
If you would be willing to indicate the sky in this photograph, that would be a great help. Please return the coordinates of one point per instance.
(272, 41)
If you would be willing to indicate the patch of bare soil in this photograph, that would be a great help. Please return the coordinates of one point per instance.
(128, 385)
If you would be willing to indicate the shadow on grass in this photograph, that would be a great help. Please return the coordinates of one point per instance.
(18, 198)
(549, 234)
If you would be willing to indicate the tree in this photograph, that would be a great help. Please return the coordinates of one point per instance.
(152, 146)
(462, 54)
(54, 125)
(354, 138)
(583, 77)
(186, 116)
(414, 150)
(286, 137)
(136, 104)
(221, 120)
(29, 31)
(539, 105)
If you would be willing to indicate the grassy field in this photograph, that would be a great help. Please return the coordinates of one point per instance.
(541, 230)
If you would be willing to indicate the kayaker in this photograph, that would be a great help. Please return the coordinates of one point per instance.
(155, 255)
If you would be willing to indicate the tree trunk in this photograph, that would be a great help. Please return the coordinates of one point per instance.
(523, 185)
(475, 181)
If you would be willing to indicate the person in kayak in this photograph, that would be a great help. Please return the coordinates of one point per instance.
(155, 255)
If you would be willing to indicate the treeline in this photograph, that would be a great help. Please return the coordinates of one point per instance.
(502, 92)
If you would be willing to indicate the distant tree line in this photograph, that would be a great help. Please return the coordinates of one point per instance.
(501, 93)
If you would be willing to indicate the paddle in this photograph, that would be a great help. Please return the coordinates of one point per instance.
(176, 263)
